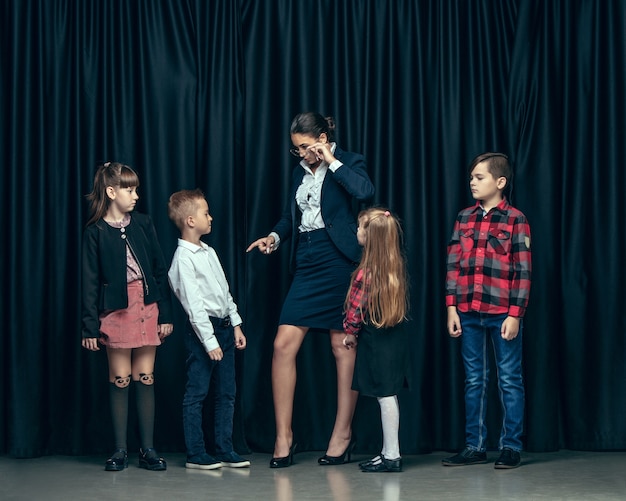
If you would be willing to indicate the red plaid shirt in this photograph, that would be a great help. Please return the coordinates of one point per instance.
(489, 262)
(353, 318)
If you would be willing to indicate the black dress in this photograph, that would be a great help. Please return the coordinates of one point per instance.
(382, 361)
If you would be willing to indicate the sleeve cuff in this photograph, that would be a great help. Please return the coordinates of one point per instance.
(335, 165)
(210, 344)
(276, 239)
(235, 319)
(516, 311)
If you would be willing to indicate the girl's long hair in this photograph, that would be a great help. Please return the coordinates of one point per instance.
(108, 174)
(384, 269)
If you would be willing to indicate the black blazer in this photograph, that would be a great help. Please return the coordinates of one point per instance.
(339, 189)
(104, 270)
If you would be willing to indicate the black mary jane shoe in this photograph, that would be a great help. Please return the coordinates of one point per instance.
(285, 461)
(118, 461)
(150, 460)
(327, 460)
(384, 465)
(374, 460)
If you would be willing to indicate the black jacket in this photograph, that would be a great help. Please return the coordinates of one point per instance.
(104, 270)
(349, 182)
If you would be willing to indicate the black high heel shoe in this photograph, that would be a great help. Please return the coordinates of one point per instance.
(285, 460)
(327, 460)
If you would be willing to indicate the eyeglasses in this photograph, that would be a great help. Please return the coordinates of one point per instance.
(303, 148)
(296, 151)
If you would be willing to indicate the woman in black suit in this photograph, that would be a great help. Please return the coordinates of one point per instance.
(323, 253)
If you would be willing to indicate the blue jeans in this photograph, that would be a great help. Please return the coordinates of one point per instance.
(477, 329)
(201, 372)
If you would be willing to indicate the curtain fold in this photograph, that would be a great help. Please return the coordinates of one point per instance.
(201, 94)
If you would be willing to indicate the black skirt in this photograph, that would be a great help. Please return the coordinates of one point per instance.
(320, 284)
(382, 361)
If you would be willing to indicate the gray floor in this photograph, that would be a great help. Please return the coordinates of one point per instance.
(566, 475)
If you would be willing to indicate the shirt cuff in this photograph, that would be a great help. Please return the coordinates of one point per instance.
(335, 165)
(276, 239)
(210, 344)
(450, 300)
(235, 319)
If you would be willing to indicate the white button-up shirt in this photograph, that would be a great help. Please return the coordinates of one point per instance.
(309, 196)
(197, 278)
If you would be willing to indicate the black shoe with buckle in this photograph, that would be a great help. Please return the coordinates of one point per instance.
(150, 460)
(382, 465)
(375, 459)
(465, 457)
(118, 461)
(508, 459)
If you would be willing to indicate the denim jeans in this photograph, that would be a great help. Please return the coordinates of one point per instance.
(201, 372)
(477, 329)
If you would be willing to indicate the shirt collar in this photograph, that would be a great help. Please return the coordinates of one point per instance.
(502, 206)
(192, 247)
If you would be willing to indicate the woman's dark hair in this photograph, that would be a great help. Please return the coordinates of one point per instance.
(313, 124)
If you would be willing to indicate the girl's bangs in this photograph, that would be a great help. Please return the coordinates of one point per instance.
(128, 177)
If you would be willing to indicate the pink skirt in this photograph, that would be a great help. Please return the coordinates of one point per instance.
(133, 327)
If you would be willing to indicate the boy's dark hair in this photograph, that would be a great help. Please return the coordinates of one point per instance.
(497, 164)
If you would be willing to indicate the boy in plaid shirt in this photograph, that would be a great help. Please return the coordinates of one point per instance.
(487, 290)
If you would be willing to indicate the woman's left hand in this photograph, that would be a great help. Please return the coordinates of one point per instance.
(165, 330)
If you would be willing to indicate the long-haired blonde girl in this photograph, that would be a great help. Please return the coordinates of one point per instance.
(376, 308)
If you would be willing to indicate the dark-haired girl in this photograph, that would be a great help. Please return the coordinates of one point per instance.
(126, 303)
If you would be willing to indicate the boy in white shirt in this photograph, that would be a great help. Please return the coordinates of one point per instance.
(197, 278)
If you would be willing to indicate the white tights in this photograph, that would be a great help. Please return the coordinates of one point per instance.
(390, 417)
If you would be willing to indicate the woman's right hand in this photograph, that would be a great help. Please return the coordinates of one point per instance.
(265, 245)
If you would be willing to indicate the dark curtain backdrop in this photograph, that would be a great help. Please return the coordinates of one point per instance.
(201, 94)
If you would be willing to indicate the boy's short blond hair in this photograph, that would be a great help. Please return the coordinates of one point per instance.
(183, 204)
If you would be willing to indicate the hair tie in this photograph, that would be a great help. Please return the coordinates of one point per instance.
(387, 214)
